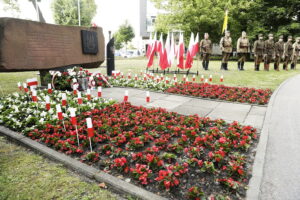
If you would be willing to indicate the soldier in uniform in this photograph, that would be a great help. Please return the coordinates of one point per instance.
(279, 48)
(205, 50)
(226, 47)
(269, 52)
(258, 50)
(287, 53)
(242, 50)
(296, 52)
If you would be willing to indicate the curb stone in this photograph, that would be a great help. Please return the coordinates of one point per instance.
(86, 170)
(253, 193)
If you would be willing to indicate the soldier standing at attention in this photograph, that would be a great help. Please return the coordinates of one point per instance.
(258, 50)
(205, 50)
(269, 52)
(242, 50)
(288, 52)
(279, 48)
(226, 47)
(296, 52)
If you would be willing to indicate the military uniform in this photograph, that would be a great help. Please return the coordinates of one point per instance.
(226, 47)
(279, 49)
(242, 50)
(258, 50)
(287, 54)
(296, 52)
(269, 52)
(205, 50)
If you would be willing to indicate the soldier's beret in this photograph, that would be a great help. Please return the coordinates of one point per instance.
(270, 35)
(290, 37)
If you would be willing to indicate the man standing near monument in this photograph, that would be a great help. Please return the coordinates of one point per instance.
(269, 52)
(279, 48)
(287, 53)
(242, 50)
(296, 52)
(205, 50)
(226, 47)
(258, 50)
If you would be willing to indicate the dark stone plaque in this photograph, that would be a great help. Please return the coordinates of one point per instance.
(89, 42)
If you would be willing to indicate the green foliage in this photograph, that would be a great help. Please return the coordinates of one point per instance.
(124, 35)
(66, 12)
(254, 17)
(11, 5)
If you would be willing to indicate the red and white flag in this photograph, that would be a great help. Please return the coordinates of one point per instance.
(63, 99)
(171, 55)
(153, 50)
(32, 82)
(147, 96)
(180, 52)
(149, 46)
(25, 87)
(126, 96)
(88, 94)
(196, 46)
(47, 103)
(79, 98)
(34, 96)
(90, 128)
(49, 88)
(59, 112)
(73, 116)
(99, 91)
(19, 86)
(189, 56)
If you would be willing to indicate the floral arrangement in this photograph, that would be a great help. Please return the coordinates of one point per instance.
(162, 151)
(73, 78)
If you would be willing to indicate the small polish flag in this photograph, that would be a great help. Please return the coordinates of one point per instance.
(25, 87)
(141, 73)
(19, 86)
(49, 88)
(145, 77)
(73, 116)
(129, 75)
(126, 96)
(184, 78)
(99, 91)
(47, 103)
(210, 78)
(194, 78)
(167, 80)
(174, 77)
(88, 94)
(90, 128)
(79, 99)
(222, 78)
(75, 89)
(147, 96)
(34, 97)
(32, 82)
(175, 82)
(59, 112)
(64, 99)
(135, 77)
(161, 77)
(122, 75)
(206, 81)
(202, 78)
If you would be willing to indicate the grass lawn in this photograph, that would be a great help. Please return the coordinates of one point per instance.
(233, 77)
(26, 175)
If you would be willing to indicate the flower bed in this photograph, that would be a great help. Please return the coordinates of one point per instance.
(204, 90)
(180, 157)
(243, 95)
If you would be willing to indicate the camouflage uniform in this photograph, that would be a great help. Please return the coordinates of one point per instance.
(205, 50)
(269, 52)
(242, 50)
(288, 52)
(226, 47)
(279, 48)
(258, 50)
(296, 52)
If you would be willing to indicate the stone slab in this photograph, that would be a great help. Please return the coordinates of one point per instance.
(192, 110)
(163, 104)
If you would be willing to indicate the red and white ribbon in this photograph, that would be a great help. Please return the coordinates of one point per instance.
(59, 112)
(126, 96)
(32, 82)
(64, 99)
(88, 94)
(47, 103)
(90, 128)
(147, 96)
(79, 99)
(99, 91)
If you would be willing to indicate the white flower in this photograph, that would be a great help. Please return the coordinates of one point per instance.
(43, 114)
(41, 120)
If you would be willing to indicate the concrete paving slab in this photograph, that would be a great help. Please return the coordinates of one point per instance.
(164, 104)
(192, 110)
(175, 98)
(254, 120)
(204, 103)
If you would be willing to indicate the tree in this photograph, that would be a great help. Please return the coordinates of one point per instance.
(124, 35)
(254, 17)
(66, 12)
(12, 6)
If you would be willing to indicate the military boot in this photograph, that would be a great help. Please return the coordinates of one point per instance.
(242, 66)
(203, 64)
(226, 66)
(239, 65)
(292, 66)
(206, 65)
(256, 67)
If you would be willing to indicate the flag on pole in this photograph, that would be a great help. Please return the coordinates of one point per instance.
(48, 103)
(90, 128)
(73, 116)
(152, 53)
(189, 57)
(172, 50)
(225, 24)
(180, 52)
(196, 45)
(149, 47)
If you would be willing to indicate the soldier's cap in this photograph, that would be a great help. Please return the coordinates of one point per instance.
(260, 35)
(281, 37)
(290, 37)
(270, 35)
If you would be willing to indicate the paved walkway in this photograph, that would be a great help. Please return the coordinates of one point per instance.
(243, 113)
(281, 165)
